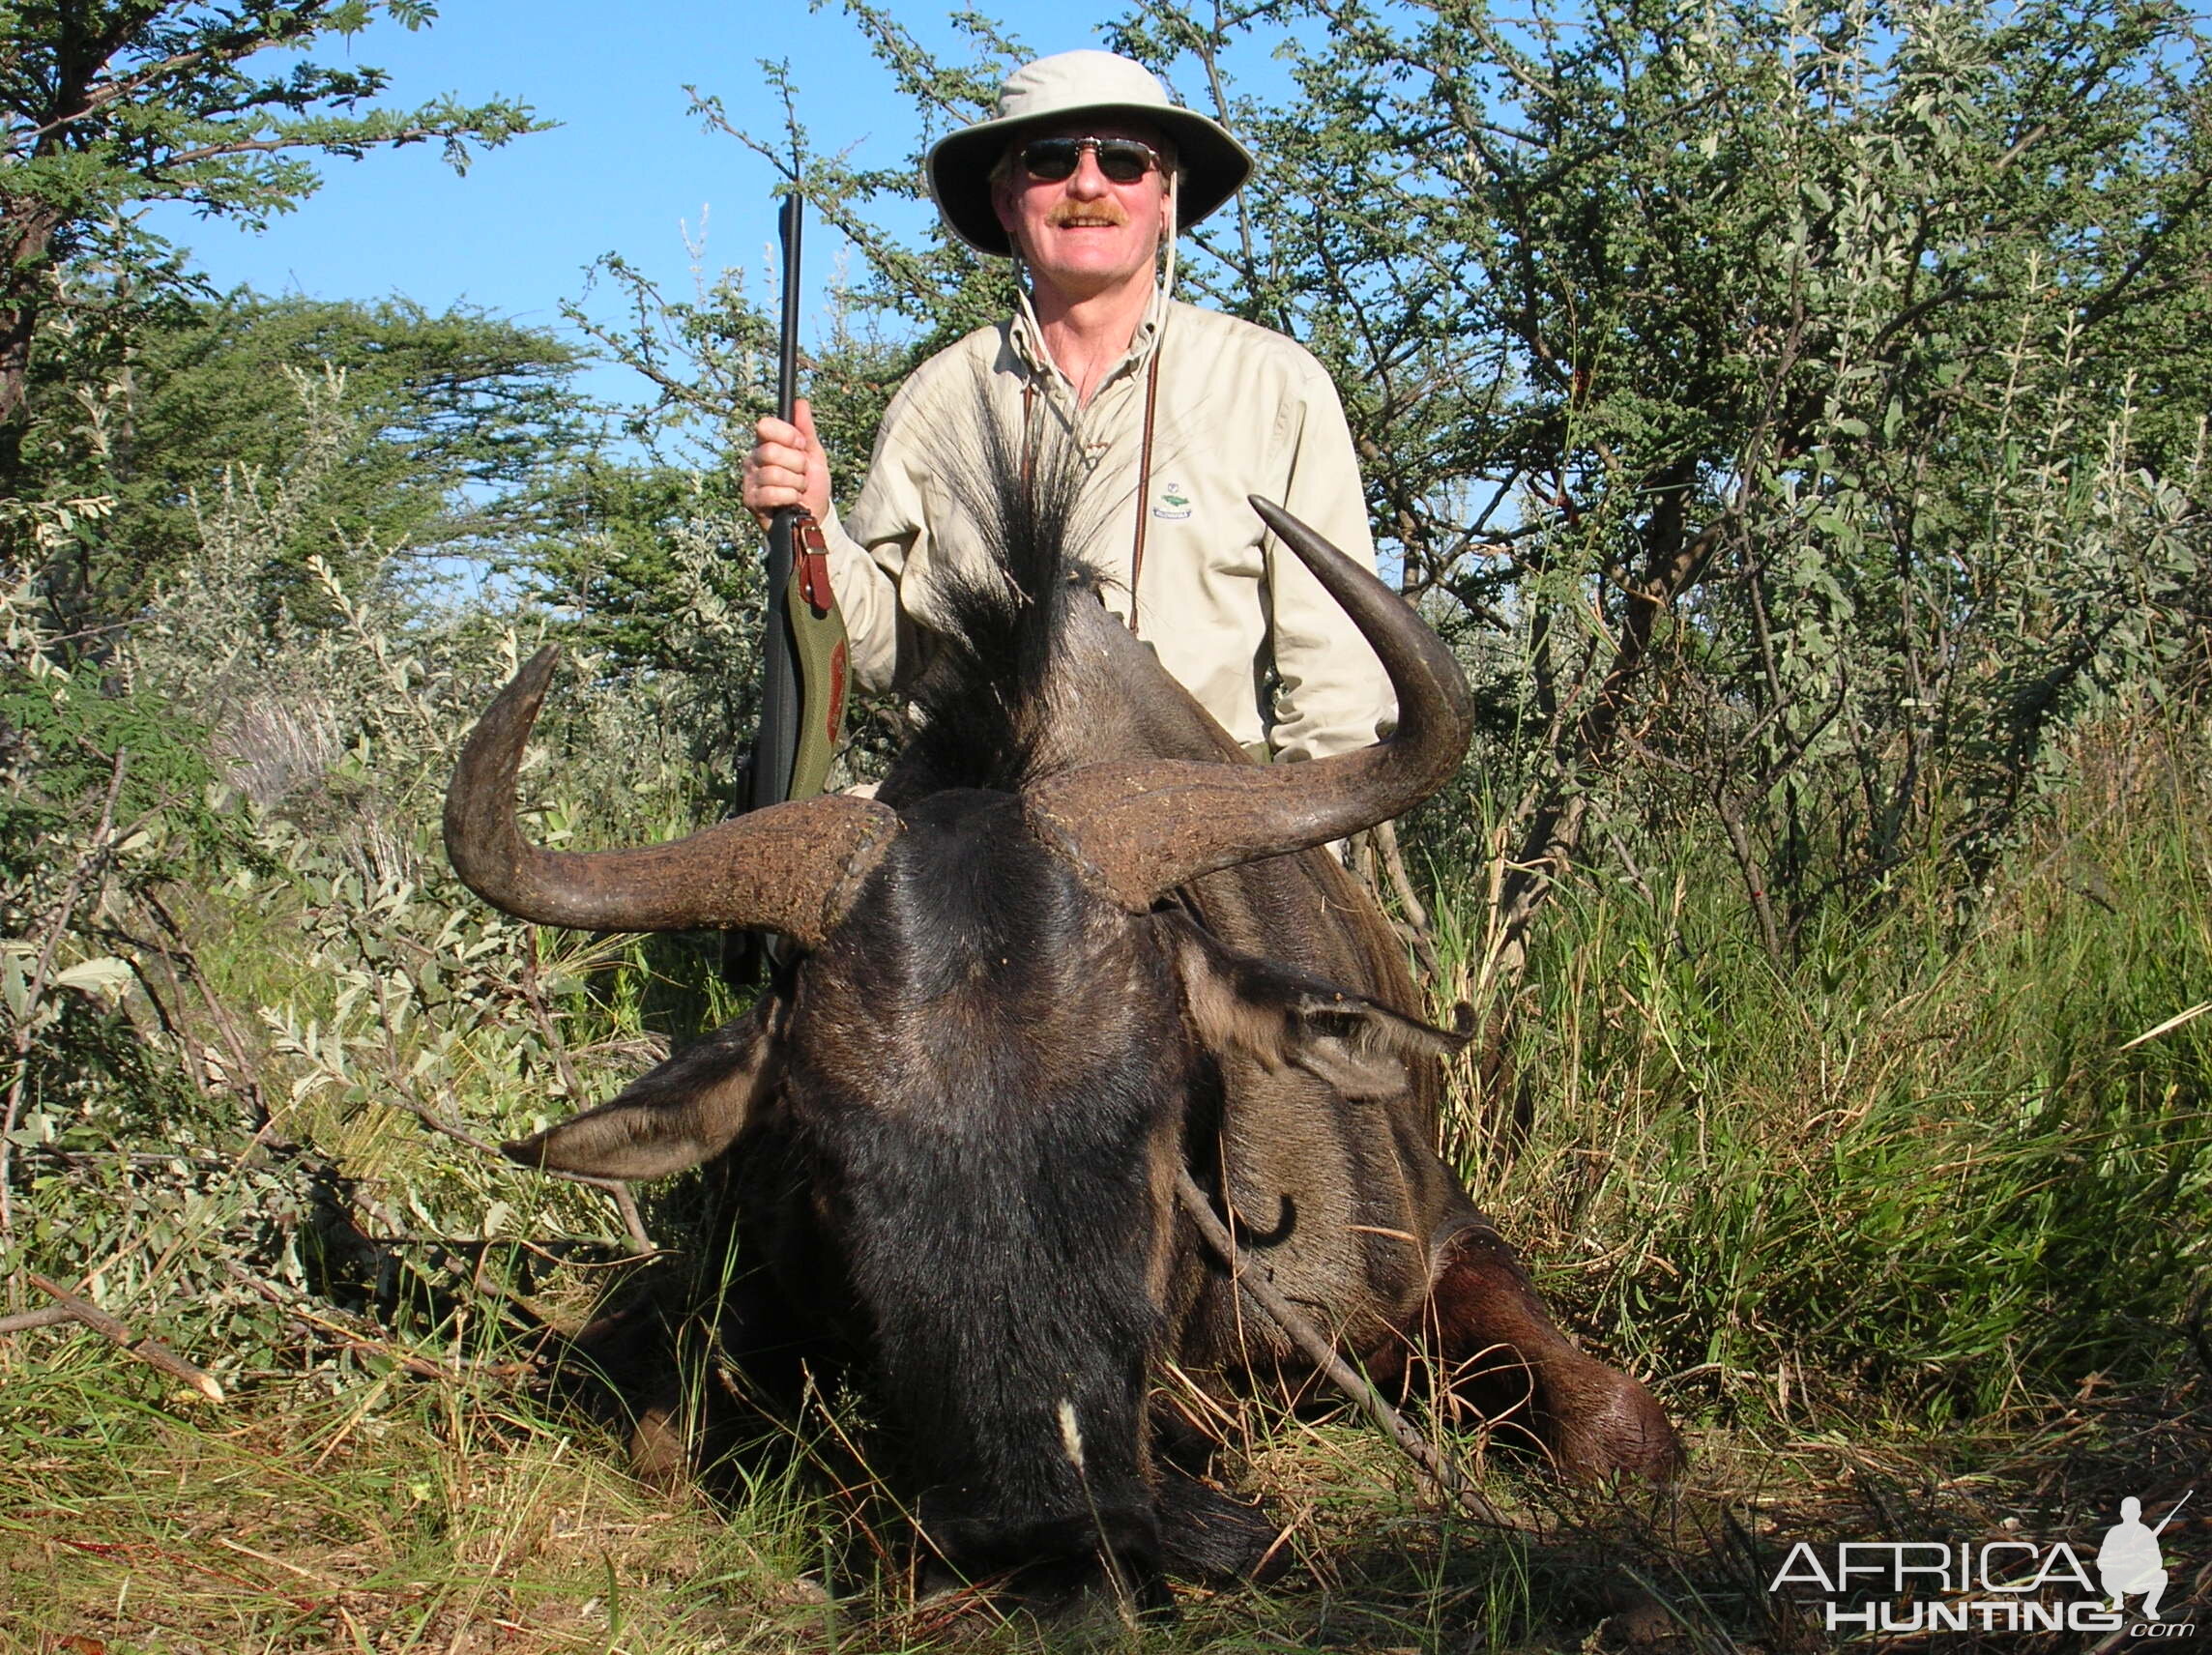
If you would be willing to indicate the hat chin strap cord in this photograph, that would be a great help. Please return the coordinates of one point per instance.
(1167, 275)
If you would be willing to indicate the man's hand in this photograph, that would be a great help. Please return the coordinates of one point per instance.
(787, 467)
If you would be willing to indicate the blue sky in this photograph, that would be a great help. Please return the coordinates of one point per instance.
(626, 172)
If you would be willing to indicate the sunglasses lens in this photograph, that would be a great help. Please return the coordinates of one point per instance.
(1122, 161)
(1051, 159)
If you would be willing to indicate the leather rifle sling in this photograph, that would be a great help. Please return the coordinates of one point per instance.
(823, 656)
(1145, 470)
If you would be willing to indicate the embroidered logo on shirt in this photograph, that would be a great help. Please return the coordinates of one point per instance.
(1173, 503)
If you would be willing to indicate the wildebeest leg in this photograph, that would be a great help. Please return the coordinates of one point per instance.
(1214, 1537)
(754, 1367)
(1503, 1355)
(639, 1367)
(620, 1368)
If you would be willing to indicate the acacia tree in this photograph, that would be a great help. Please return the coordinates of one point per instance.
(1750, 369)
(106, 105)
(453, 425)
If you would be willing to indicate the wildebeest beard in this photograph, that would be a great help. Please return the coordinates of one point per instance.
(999, 1151)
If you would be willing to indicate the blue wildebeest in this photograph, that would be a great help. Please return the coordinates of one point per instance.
(1076, 945)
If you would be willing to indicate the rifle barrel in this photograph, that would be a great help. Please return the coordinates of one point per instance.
(776, 746)
(790, 220)
(2172, 1515)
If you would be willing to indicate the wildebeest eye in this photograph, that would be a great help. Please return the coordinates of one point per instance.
(1281, 1016)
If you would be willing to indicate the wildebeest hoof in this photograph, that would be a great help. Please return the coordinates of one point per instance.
(1605, 1422)
(1210, 1536)
(659, 1452)
(1068, 1604)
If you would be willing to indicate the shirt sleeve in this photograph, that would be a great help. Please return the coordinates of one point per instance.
(868, 549)
(1332, 695)
(867, 599)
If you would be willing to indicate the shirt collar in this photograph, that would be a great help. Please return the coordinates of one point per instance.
(1027, 335)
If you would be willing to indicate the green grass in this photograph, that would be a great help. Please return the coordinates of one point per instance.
(1906, 1180)
(374, 1517)
(368, 1510)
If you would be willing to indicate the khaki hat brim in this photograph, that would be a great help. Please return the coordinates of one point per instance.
(1215, 166)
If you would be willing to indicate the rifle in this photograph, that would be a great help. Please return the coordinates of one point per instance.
(804, 649)
(2170, 1516)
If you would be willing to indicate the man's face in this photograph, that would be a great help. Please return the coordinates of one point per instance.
(1085, 235)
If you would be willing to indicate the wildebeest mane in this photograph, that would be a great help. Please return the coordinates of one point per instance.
(1000, 608)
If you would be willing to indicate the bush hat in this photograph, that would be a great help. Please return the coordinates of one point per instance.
(1214, 165)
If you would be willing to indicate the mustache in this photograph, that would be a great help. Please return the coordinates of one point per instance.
(1069, 212)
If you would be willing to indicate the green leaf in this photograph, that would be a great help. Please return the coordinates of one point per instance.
(98, 978)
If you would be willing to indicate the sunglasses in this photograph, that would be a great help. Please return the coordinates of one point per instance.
(1123, 161)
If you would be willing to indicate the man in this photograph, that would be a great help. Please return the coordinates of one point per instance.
(1178, 414)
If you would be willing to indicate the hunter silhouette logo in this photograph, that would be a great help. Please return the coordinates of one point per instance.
(1995, 1585)
(2129, 1561)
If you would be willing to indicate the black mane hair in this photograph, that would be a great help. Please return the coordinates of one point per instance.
(1000, 609)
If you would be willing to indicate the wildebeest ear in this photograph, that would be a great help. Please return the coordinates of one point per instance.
(1281, 1016)
(675, 1115)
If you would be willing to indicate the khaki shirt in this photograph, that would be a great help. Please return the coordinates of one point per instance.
(1241, 411)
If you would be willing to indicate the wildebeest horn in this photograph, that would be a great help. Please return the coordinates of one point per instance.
(791, 868)
(1142, 828)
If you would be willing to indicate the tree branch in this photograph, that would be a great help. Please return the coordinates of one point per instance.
(1255, 1280)
(151, 1351)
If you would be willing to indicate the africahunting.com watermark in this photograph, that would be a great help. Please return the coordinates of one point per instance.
(1994, 1585)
